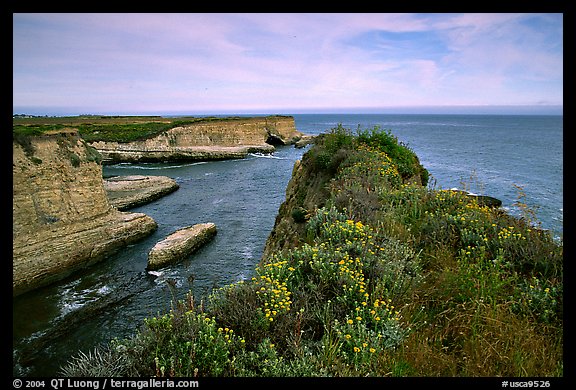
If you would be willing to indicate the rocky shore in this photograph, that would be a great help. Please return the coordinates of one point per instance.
(66, 217)
(113, 153)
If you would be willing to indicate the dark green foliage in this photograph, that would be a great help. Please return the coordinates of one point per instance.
(92, 155)
(75, 160)
(33, 130)
(331, 149)
(337, 146)
(299, 215)
(23, 137)
(406, 160)
(122, 132)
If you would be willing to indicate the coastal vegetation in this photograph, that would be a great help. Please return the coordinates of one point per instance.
(390, 277)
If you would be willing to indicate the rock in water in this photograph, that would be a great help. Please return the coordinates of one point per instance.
(180, 244)
(125, 192)
(489, 201)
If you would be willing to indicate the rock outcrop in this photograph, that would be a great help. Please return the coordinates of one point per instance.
(309, 189)
(180, 244)
(125, 192)
(306, 190)
(62, 220)
(483, 200)
(225, 138)
(304, 141)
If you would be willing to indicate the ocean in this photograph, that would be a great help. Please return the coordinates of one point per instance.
(503, 156)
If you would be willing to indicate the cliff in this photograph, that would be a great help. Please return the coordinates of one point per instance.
(306, 191)
(221, 138)
(62, 219)
(368, 273)
(314, 184)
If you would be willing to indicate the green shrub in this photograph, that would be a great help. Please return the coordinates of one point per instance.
(299, 215)
(405, 159)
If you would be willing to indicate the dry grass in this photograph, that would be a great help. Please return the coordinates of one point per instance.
(479, 340)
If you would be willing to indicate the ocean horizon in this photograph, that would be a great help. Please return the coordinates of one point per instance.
(529, 109)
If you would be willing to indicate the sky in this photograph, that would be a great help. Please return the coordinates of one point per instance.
(282, 63)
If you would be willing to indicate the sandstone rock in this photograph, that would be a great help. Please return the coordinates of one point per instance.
(180, 244)
(113, 152)
(62, 220)
(304, 140)
(306, 190)
(52, 254)
(210, 140)
(125, 192)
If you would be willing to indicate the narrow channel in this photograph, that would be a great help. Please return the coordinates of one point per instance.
(110, 299)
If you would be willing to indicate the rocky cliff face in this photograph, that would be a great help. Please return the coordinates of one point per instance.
(315, 183)
(62, 220)
(306, 191)
(214, 139)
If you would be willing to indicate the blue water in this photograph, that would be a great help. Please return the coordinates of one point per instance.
(482, 153)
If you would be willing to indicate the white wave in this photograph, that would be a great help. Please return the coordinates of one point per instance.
(167, 276)
(247, 252)
(242, 277)
(265, 155)
(66, 308)
(104, 290)
(74, 300)
(155, 167)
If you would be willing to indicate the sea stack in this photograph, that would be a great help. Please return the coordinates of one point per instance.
(180, 244)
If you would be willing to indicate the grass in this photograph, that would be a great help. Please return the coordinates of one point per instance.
(390, 278)
(109, 128)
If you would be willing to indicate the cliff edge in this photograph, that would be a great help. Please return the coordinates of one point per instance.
(210, 139)
(314, 184)
(62, 220)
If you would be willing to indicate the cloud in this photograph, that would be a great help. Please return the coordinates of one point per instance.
(222, 61)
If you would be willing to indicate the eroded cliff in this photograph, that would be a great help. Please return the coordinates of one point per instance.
(223, 138)
(62, 220)
(317, 180)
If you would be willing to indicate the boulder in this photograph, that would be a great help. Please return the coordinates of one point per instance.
(180, 244)
(489, 201)
(483, 200)
(304, 140)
